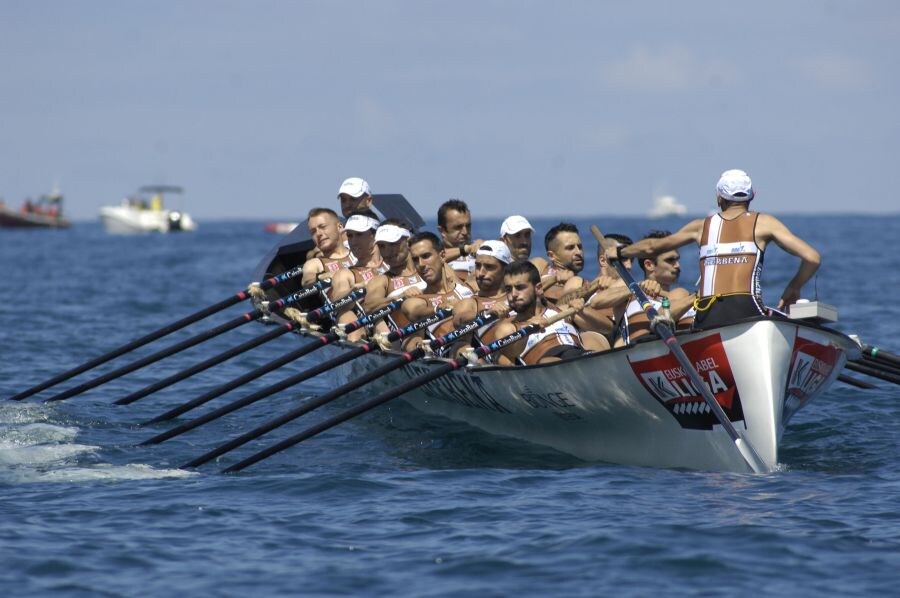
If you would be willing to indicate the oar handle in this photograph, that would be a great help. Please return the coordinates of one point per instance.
(281, 278)
(374, 316)
(414, 327)
(354, 296)
(304, 293)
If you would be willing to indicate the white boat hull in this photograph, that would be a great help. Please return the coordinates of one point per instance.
(635, 406)
(125, 220)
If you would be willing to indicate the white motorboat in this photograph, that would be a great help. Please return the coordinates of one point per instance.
(138, 214)
(666, 205)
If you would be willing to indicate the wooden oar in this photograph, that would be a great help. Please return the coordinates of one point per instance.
(319, 368)
(665, 333)
(394, 364)
(436, 371)
(194, 340)
(165, 330)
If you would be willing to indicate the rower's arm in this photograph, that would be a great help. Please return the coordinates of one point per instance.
(376, 293)
(689, 233)
(508, 354)
(311, 270)
(770, 228)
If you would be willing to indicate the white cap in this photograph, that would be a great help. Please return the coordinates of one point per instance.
(495, 249)
(514, 224)
(390, 233)
(360, 223)
(354, 187)
(735, 185)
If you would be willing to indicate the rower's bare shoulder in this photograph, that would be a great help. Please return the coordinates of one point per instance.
(539, 263)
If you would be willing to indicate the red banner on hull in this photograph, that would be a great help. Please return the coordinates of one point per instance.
(666, 380)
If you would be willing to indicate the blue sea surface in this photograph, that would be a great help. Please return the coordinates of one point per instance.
(395, 502)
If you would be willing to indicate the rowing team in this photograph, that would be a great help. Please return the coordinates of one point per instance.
(501, 277)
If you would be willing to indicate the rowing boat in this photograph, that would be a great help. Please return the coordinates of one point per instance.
(632, 405)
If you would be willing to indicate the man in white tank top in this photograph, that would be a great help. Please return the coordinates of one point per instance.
(732, 244)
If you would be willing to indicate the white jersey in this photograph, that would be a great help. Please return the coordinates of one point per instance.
(560, 331)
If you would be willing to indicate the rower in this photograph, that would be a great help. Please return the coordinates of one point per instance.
(455, 225)
(566, 259)
(400, 279)
(732, 244)
(517, 233)
(491, 260)
(354, 195)
(360, 229)
(325, 229)
(441, 285)
(664, 268)
(524, 294)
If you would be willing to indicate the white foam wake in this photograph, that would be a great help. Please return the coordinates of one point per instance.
(33, 449)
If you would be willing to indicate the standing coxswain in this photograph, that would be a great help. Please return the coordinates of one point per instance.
(732, 244)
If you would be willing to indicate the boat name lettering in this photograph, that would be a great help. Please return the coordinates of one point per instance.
(555, 400)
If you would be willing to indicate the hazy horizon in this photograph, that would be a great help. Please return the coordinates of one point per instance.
(260, 110)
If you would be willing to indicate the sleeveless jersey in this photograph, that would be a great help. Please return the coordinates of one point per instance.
(397, 285)
(364, 275)
(730, 259)
(333, 265)
(462, 266)
(538, 344)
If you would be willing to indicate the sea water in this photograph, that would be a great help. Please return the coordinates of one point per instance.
(395, 502)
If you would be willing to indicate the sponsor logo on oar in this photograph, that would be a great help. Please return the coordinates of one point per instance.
(666, 380)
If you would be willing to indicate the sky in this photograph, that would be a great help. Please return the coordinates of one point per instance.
(260, 109)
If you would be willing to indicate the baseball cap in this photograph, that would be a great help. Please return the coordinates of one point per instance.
(495, 249)
(735, 185)
(360, 223)
(514, 224)
(354, 187)
(390, 233)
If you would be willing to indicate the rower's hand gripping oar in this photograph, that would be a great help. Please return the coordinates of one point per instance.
(324, 366)
(265, 308)
(403, 359)
(436, 371)
(665, 333)
(140, 342)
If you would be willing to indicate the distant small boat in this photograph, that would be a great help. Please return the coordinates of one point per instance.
(280, 228)
(136, 214)
(666, 205)
(46, 212)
